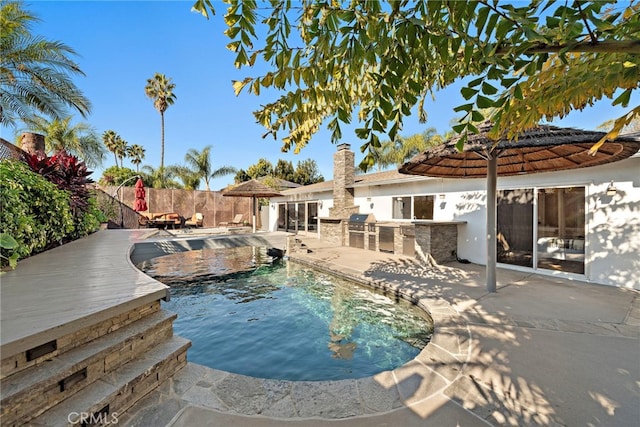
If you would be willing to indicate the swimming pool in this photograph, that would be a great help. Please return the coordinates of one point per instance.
(248, 314)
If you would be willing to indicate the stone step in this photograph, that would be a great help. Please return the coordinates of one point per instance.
(91, 330)
(33, 391)
(103, 401)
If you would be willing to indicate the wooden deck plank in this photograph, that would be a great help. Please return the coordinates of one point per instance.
(70, 287)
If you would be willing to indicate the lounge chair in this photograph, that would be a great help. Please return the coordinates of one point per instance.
(195, 220)
(237, 220)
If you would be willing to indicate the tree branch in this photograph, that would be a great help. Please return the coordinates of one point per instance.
(607, 46)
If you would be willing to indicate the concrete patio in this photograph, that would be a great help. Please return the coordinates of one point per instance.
(540, 351)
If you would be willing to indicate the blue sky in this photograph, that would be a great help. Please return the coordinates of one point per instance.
(123, 43)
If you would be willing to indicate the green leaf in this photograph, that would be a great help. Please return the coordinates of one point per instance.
(475, 82)
(7, 241)
(517, 92)
(508, 82)
(468, 93)
(460, 143)
(459, 127)
(465, 107)
(363, 133)
(484, 102)
(477, 116)
(623, 99)
(482, 18)
(487, 89)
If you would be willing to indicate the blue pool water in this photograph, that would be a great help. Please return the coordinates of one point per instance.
(248, 315)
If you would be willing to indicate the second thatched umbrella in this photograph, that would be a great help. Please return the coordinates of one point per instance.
(254, 189)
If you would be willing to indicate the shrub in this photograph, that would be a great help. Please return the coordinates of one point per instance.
(116, 175)
(32, 210)
(90, 221)
(68, 173)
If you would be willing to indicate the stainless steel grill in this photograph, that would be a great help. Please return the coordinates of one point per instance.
(356, 226)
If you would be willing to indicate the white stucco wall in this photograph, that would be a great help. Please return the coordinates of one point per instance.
(612, 242)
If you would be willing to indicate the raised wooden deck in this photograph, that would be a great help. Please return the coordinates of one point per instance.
(67, 288)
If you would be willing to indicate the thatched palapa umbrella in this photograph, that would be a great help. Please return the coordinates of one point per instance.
(541, 149)
(253, 189)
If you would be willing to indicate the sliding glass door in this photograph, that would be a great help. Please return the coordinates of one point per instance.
(558, 230)
(515, 227)
(561, 229)
(298, 217)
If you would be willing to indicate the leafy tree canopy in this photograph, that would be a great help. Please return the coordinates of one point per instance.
(262, 168)
(307, 173)
(378, 60)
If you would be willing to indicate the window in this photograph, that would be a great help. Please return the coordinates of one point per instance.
(402, 207)
(423, 207)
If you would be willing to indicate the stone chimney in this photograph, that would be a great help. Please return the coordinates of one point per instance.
(343, 180)
(32, 142)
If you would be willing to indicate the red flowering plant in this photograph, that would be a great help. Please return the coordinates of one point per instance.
(68, 173)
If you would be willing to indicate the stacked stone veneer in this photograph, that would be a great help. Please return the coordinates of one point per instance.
(343, 180)
(335, 228)
(439, 241)
(96, 372)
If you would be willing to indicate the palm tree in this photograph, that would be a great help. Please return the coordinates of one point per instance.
(120, 150)
(136, 153)
(395, 153)
(200, 163)
(34, 72)
(160, 178)
(79, 139)
(115, 144)
(160, 89)
(189, 178)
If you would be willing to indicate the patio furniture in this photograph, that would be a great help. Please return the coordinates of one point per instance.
(196, 220)
(237, 220)
(161, 220)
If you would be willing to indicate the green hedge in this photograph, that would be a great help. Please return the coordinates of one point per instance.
(34, 211)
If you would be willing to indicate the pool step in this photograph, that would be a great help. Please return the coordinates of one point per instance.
(105, 400)
(28, 393)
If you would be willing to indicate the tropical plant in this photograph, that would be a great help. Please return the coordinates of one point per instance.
(8, 243)
(68, 174)
(34, 211)
(115, 144)
(200, 164)
(34, 72)
(160, 89)
(190, 179)
(395, 153)
(79, 139)
(160, 177)
(379, 61)
(241, 176)
(136, 153)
